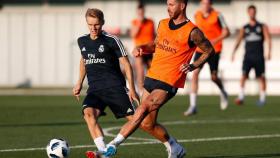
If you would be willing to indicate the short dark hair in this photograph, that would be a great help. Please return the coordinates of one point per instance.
(211, 1)
(252, 7)
(141, 6)
(184, 1)
(96, 13)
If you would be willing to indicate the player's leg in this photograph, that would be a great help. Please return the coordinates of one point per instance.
(260, 74)
(262, 98)
(92, 109)
(152, 103)
(151, 125)
(194, 89)
(91, 117)
(245, 74)
(214, 67)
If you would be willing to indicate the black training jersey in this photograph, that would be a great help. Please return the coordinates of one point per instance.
(254, 40)
(101, 58)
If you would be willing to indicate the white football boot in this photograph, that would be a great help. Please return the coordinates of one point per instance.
(176, 150)
(223, 101)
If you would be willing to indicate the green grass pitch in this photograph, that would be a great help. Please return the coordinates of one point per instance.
(239, 132)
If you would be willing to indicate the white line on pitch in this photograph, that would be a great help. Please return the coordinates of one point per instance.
(108, 131)
(157, 142)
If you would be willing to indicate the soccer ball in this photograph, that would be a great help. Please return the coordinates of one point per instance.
(58, 148)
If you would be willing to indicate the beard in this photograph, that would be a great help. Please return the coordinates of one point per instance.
(174, 15)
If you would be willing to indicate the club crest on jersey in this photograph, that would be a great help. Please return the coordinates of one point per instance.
(259, 29)
(101, 48)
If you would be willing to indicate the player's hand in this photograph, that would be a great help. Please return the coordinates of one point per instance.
(268, 57)
(77, 90)
(137, 52)
(213, 42)
(186, 68)
(133, 95)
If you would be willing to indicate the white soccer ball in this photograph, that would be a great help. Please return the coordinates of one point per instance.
(58, 148)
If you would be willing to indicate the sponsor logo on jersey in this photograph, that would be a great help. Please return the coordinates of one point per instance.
(101, 48)
(253, 37)
(93, 60)
(164, 45)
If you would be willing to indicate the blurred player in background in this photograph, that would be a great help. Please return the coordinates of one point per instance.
(254, 33)
(142, 32)
(177, 38)
(213, 25)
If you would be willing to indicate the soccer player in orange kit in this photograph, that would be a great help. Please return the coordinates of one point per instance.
(177, 39)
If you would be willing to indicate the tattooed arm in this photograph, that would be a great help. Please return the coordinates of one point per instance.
(198, 38)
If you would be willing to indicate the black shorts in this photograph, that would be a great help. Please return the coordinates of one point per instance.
(116, 98)
(213, 61)
(257, 64)
(147, 58)
(152, 84)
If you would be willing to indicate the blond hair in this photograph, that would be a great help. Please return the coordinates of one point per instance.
(95, 13)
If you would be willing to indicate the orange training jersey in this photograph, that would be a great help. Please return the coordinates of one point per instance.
(172, 50)
(210, 26)
(146, 32)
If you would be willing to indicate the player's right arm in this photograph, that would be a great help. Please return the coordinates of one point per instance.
(237, 44)
(198, 38)
(267, 38)
(144, 49)
(82, 74)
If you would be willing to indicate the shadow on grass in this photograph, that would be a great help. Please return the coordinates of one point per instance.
(246, 156)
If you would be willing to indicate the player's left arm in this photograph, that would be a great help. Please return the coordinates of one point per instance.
(123, 59)
(225, 30)
(267, 38)
(198, 38)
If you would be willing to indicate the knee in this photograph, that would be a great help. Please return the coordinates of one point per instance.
(141, 110)
(214, 78)
(195, 74)
(89, 114)
(147, 126)
(244, 77)
(262, 78)
(149, 105)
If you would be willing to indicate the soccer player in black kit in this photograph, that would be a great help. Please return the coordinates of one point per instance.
(101, 57)
(254, 33)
